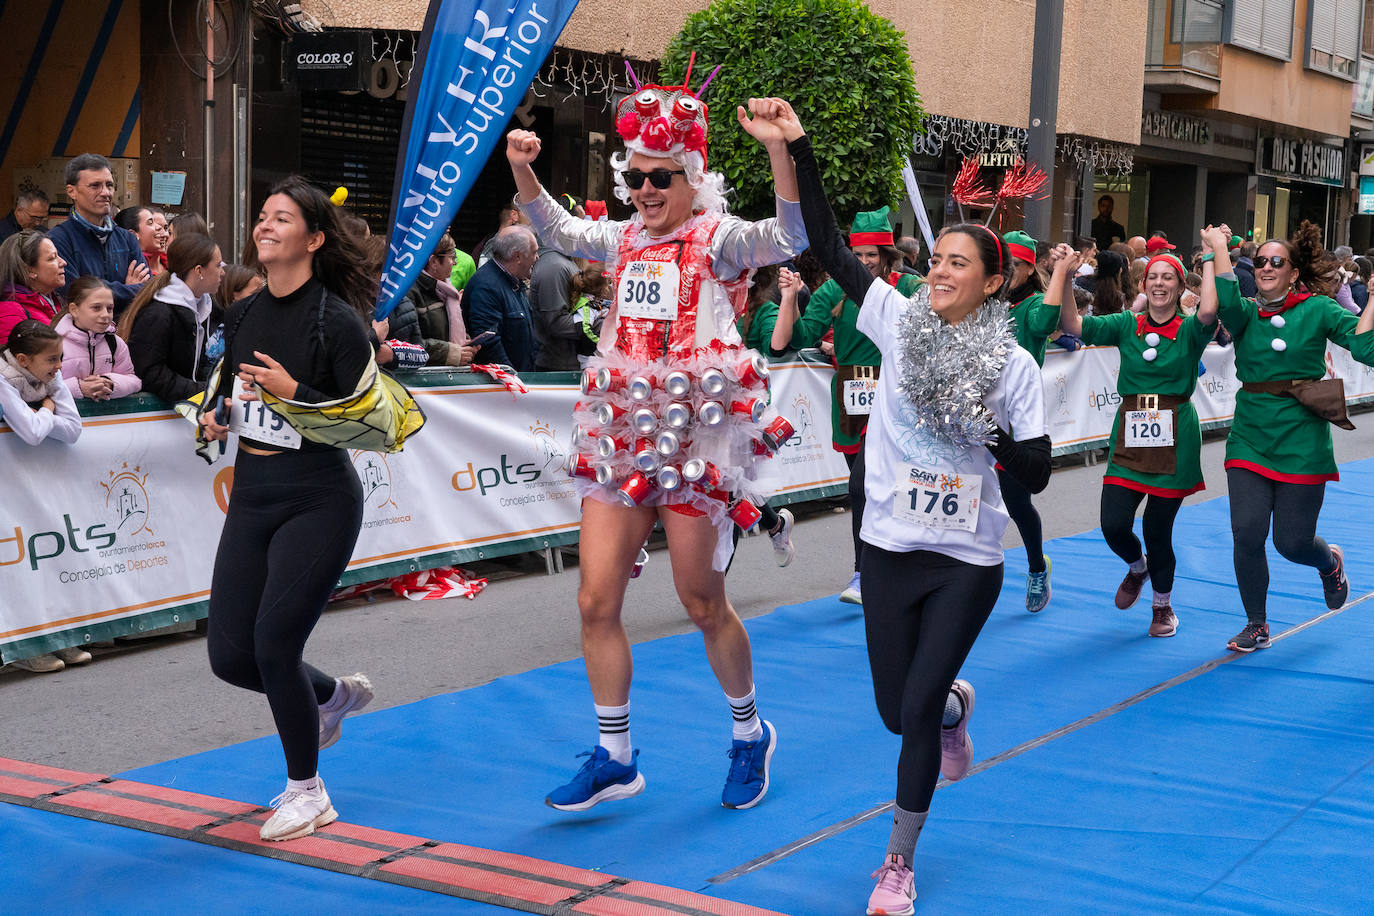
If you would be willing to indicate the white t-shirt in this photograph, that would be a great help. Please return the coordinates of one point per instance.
(895, 444)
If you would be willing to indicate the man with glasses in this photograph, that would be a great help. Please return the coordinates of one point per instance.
(89, 241)
(30, 212)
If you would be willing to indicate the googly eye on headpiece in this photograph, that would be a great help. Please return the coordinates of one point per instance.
(664, 120)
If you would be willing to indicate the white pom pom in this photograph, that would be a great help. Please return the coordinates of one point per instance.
(1278, 344)
(1150, 355)
(1277, 321)
(1152, 339)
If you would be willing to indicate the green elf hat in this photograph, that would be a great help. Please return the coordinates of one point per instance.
(1022, 246)
(871, 228)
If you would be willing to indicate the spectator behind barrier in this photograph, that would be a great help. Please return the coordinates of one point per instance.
(143, 223)
(439, 306)
(496, 301)
(396, 339)
(170, 323)
(509, 215)
(188, 223)
(555, 329)
(30, 212)
(31, 271)
(589, 301)
(95, 362)
(1359, 286)
(239, 282)
(89, 241)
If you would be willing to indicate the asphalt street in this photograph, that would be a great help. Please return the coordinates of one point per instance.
(151, 700)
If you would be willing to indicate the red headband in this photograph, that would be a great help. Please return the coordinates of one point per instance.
(1170, 259)
(997, 243)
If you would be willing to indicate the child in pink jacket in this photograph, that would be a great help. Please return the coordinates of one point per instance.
(95, 362)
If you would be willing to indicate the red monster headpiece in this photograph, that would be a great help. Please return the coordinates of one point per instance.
(664, 120)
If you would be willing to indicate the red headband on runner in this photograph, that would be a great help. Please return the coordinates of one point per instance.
(996, 243)
(1170, 259)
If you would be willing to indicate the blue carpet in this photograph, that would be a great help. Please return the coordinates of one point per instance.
(1247, 788)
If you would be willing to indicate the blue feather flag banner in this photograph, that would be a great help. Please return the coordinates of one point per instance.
(476, 60)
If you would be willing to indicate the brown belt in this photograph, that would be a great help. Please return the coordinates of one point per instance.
(1324, 398)
(1151, 401)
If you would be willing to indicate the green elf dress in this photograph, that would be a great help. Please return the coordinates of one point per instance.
(1279, 345)
(1034, 322)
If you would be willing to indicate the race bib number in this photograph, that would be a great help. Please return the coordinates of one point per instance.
(1149, 428)
(649, 289)
(859, 394)
(255, 420)
(937, 498)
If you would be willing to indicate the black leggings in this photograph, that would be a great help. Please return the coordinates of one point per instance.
(1118, 517)
(293, 520)
(1017, 499)
(856, 498)
(922, 613)
(1294, 508)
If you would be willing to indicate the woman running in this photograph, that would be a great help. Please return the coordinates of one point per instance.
(954, 383)
(1156, 450)
(1278, 453)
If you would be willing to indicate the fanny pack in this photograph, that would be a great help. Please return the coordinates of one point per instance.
(1324, 398)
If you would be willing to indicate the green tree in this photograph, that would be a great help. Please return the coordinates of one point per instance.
(845, 71)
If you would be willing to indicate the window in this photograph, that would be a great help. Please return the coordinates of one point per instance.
(1367, 42)
(1265, 26)
(1333, 36)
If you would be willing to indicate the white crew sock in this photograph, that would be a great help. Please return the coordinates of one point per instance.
(748, 725)
(614, 724)
(306, 785)
(336, 699)
(1138, 566)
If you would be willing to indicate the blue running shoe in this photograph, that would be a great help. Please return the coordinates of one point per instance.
(1038, 588)
(747, 783)
(851, 593)
(600, 779)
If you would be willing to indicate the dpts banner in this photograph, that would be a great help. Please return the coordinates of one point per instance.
(476, 60)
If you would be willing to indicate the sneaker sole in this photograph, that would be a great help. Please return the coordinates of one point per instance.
(1259, 645)
(1172, 630)
(849, 596)
(910, 909)
(610, 793)
(328, 738)
(324, 819)
(767, 764)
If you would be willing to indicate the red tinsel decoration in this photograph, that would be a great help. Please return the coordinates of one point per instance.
(968, 189)
(1023, 180)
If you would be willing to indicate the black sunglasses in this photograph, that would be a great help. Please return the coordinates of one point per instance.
(659, 178)
(1277, 260)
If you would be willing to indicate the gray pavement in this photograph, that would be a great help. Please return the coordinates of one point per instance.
(152, 700)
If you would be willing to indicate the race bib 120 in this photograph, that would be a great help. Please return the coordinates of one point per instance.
(649, 289)
(937, 498)
(1149, 428)
(255, 420)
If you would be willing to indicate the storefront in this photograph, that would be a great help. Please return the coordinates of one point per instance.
(1301, 179)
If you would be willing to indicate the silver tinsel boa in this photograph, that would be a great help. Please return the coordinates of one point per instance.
(947, 369)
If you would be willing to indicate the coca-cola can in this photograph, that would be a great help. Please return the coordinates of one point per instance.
(581, 466)
(589, 385)
(669, 477)
(677, 415)
(702, 473)
(778, 432)
(644, 421)
(752, 371)
(640, 388)
(667, 442)
(677, 383)
(760, 448)
(606, 412)
(604, 474)
(711, 413)
(607, 446)
(752, 408)
(635, 489)
(745, 514)
(639, 563)
(609, 380)
(713, 383)
(647, 458)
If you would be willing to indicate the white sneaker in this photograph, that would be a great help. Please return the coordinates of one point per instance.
(299, 813)
(783, 551)
(352, 694)
(73, 656)
(40, 664)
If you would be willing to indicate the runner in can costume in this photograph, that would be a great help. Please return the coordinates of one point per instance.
(674, 420)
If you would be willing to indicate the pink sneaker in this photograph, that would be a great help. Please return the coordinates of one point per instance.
(895, 894)
(956, 748)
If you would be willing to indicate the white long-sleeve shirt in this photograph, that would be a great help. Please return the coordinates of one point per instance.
(33, 426)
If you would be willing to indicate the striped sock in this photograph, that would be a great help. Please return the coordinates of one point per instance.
(748, 726)
(1162, 599)
(614, 723)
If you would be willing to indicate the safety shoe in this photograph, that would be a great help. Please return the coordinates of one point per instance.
(783, 551)
(895, 894)
(851, 593)
(299, 812)
(600, 779)
(40, 664)
(747, 782)
(352, 694)
(956, 747)
(1335, 585)
(1164, 622)
(74, 655)
(1254, 636)
(1129, 589)
(1038, 588)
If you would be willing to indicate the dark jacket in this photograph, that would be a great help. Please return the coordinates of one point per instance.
(9, 226)
(432, 315)
(496, 302)
(87, 255)
(554, 325)
(1245, 276)
(166, 344)
(1359, 291)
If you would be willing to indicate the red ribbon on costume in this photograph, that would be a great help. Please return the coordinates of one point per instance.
(1170, 330)
(511, 382)
(1267, 311)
